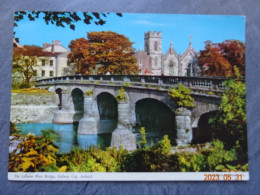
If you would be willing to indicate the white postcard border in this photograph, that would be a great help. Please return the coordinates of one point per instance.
(133, 176)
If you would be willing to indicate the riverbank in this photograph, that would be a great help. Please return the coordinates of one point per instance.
(33, 107)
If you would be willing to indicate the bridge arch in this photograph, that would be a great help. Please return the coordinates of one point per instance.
(106, 107)
(98, 90)
(203, 132)
(154, 115)
(58, 91)
(77, 97)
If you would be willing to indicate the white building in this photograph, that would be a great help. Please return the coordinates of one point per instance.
(51, 58)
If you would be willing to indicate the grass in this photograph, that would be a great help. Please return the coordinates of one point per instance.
(30, 90)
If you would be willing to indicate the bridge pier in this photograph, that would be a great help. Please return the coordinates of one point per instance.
(88, 124)
(65, 115)
(183, 124)
(122, 134)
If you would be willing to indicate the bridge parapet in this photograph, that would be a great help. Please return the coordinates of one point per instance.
(208, 83)
(205, 91)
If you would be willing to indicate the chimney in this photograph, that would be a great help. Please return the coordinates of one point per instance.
(56, 42)
(45, 45)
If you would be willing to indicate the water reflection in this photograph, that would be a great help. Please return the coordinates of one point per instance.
(69, 137)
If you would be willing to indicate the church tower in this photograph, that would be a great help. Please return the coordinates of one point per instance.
(153, 48)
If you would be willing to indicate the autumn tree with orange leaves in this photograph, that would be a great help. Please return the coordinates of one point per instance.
(108, 51)
(219, 59)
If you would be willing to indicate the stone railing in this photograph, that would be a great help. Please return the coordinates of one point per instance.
(215, 83)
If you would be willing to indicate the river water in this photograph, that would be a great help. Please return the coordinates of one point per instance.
(70, 139)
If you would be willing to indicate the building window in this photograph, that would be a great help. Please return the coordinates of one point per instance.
(51, 62)
(43, 73)
(140, 62)
(51, 73)
(156, 61)
(146, 48)
(155, 46)
(43, 62)
(35, 73)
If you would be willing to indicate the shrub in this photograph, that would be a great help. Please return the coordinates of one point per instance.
(181, 96)
(219, 155)
(34, 153)
(143, 142)
(13, 129)
(25, 85)
(164, 145)
(90, 160)
(121, 96)
(153, 158)
(188, 162)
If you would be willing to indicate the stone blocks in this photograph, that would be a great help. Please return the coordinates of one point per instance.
(63, 117)
(183, 124)
(123, 137)
(87, 125)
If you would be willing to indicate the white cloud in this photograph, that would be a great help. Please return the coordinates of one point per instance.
(148, 23)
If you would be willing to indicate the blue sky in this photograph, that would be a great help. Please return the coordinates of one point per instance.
(175, 28)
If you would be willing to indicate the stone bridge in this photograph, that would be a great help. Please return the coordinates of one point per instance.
(80, 97)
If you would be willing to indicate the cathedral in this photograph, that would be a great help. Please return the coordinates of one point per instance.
(153, 61)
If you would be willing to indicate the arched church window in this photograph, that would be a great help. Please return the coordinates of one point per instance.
(156, 61)
(190, 70)
(171, 68)
(155, 46)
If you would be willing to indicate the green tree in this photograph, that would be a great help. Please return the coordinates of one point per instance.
(25, 65)
(230, 123)
(63, 19)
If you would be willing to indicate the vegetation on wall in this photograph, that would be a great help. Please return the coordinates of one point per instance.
(180, 95)
(89, 93)
(121, 95)
(30, 90)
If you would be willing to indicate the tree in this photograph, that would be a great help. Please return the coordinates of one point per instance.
(229, 124)
(63, 18)
(108, 51)
(25, 65)
(219, 59)
(234, 52)
(25, 60)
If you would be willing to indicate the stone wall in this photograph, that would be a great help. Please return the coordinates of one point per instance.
(33, 108)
